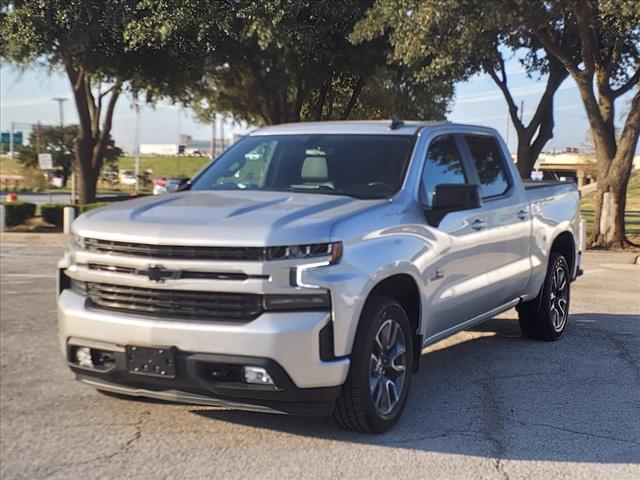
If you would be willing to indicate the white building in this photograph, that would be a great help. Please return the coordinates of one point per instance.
(159, 149)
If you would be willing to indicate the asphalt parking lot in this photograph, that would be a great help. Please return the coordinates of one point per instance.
(487, 403)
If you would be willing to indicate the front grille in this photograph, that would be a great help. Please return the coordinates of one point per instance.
(178, 274)
(175, 251)
(175, 303)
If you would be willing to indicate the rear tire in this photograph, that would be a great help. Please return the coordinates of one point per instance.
(545, 317)
(375, 393)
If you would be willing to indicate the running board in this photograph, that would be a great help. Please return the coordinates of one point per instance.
(470, 323)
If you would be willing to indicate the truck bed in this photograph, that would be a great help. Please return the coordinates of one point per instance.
(531, 184)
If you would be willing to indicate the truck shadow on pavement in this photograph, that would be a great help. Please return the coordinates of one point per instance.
(490, 392)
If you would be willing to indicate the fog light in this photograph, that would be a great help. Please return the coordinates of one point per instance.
(257, 375)
(83, 357)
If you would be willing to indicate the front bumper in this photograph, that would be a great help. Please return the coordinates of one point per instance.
(194, 383)
(289, 340)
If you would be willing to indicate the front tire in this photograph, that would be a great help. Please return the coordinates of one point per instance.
(545, 317)
(375, 393)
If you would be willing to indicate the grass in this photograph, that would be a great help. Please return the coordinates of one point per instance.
(168, 167)
(9, 166)
(161, 166)
(632, 211)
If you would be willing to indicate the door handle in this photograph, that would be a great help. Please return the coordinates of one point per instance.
(522, 214)
(478, 224)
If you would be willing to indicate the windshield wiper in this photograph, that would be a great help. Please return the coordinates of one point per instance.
(331, 191)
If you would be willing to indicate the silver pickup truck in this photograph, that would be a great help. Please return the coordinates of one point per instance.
(305, 269)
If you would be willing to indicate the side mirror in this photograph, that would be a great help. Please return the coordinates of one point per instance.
(453, 197)
(185, 184)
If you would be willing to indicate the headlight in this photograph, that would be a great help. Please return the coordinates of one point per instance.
(315, 250)
(78, 242)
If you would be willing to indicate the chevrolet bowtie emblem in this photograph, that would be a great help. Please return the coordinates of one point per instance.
(158, 273)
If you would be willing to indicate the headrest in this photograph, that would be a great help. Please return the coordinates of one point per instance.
(315, 169)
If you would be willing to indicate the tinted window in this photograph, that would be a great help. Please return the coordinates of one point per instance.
(443, 165)
(364, 166)
(489, 162)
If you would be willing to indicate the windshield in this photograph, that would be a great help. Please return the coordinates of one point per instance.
(362, 166)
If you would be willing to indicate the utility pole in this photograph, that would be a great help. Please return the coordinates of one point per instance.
(11, 141)
(521, 110)
(60, 101)
(222, 132)
(507, 135)
(213, 136)
(137, 146)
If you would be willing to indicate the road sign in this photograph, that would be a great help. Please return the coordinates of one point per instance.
(45, 160)
(17, 138)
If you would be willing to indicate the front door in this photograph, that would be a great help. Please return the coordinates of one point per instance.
(456, 282)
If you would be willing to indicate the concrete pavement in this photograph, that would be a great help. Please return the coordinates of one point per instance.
(487, 403)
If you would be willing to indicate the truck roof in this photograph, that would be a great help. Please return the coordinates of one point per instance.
(366, 127)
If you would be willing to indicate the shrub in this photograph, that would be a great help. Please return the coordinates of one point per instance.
(16, 213)
(53, 213)
(90, 206)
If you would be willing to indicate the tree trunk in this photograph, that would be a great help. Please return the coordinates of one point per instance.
(316, 113)
(526, 160)
(87, 178)
(357, 88)
(613, 177)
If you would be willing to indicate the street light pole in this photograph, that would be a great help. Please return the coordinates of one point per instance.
(137, 146)
(11, 147)
(60, 101)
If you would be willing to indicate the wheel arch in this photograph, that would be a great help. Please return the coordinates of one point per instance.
(564, 244)
(403, 288)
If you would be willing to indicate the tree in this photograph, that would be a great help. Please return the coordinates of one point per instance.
(60, 143)
(455, 39)
(608, 67)
(280, 60)
(93, 42)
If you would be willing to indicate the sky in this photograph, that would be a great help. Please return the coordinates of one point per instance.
(27, 97)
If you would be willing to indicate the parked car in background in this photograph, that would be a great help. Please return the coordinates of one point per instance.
(127, 177)
(305, 269)
(110, 177)
(169, 186)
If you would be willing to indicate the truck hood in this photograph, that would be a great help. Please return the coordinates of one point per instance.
(219, 218)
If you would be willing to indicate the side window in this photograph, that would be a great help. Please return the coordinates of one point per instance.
(443, 165)
(489, 162)
(250, 169)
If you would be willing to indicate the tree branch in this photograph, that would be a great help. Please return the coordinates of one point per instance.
(357, 88)
(502, 85)
(631, 130)
(557, 75)
(584, 16)
(101, 142)
(632, 82)
(548, 40)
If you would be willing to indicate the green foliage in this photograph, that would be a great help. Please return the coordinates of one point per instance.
(60, 143)
(276, 61)
(53, 213)
(454, 38)
(94, 43)
(16, 213)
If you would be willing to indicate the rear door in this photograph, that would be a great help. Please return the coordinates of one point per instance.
(506, 213)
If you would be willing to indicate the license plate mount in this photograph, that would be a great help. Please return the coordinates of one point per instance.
(151, 361)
